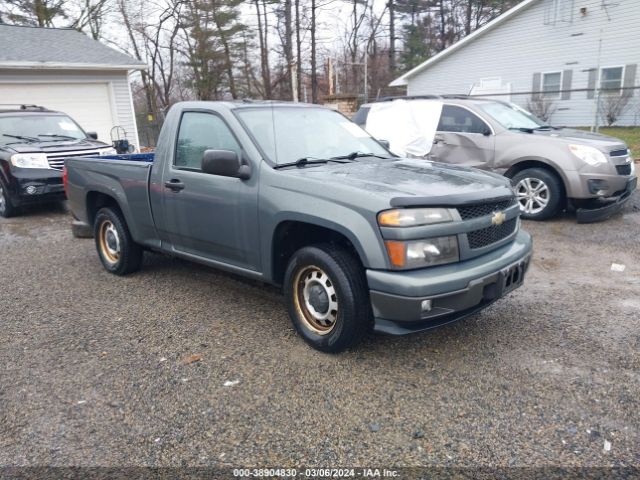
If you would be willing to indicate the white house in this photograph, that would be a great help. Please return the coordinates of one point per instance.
(63, 69)
(547, 54)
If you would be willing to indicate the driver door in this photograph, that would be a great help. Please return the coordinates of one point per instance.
(463, 138)
(209, 216)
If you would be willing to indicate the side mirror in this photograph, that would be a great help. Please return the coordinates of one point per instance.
(224, 163)
(486, 132)
(385, 143)
(92, 135)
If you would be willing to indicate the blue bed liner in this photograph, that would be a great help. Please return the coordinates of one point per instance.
(134, 157)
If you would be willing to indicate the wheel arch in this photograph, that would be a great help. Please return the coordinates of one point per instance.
(292, 234)
(542, 163)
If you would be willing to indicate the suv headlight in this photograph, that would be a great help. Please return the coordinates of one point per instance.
(413, 217)
(30, 160)
(589, 155)
(423, 253)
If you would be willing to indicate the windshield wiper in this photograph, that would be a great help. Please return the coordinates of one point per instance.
(354, 155)
(522, 129)
(544, 127)
(21, 137)
(57, 135)
(301, 162)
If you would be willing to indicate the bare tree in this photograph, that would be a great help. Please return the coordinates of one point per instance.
(542, 107)
(612, 106)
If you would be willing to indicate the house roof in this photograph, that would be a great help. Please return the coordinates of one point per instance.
(403, 80)
(57, 48)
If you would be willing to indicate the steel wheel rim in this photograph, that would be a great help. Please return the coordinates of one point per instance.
(109, 242)
(533, 195)
(3, 202)
(316, 299)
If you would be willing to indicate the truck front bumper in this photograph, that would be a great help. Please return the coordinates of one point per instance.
(407, 302)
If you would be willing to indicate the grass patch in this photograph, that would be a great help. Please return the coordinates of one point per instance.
(630, 135)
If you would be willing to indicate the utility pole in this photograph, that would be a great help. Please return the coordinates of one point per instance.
(392, 36)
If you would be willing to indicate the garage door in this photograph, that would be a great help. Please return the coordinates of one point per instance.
(89, 104)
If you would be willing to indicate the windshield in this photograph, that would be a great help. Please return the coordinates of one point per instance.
(287, 134)
(38, 128)
(511, 116)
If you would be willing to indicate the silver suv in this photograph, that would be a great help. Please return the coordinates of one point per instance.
(550, 167)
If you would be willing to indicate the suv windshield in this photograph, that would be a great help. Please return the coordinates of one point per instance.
(287, 134)
(38, 127)
(511, 116)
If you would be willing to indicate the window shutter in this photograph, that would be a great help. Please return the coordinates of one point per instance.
(567, 76)
(629, 80)
(591, 87)
(535, 87)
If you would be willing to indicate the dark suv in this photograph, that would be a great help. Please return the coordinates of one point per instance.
(33, 144)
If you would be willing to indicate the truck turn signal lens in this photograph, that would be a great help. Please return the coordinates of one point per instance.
(396, 251)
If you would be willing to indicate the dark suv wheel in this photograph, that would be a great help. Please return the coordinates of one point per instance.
(6, 208)
(539, 193)
(327, 297)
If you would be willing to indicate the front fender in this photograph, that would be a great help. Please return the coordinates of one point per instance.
(352, 224)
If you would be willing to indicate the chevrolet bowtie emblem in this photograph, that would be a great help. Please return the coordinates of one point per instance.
(498, 218)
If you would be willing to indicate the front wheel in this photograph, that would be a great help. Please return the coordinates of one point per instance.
(538, 192)
(7, 210)
(327, 297)
(118, 252)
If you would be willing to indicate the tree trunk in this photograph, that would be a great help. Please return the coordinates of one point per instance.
(392, 37)
(314, 73)
(288, 47)
(298, 52)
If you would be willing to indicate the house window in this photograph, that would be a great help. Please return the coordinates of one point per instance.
(611, 79)
(551, 84)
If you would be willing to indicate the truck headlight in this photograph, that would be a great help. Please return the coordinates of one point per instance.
(423, 253)
(589, 155)
(108, 151)
(30, 160)
(413, 217)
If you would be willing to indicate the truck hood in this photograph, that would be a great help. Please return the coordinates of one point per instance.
(55, 146)
(408, 182)
(571, 135)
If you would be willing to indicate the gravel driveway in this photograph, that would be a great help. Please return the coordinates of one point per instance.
(96, 369)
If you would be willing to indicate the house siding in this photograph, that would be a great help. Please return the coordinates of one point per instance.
(120, 92)
(527, 45)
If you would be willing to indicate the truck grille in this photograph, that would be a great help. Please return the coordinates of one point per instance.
(482, 209)
(56, 160)
(487, 236)
(624, 169)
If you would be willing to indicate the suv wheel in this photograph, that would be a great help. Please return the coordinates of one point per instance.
(6, 208)
(118, 252)
(327, 297)
(539, 193)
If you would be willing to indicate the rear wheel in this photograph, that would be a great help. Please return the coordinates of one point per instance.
(6, 208)
(539, 193)
(118, 252)
(327, 297)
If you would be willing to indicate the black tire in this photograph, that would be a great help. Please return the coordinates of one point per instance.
(346, 278)
(118, 252)
(7, 210)
(552, 192)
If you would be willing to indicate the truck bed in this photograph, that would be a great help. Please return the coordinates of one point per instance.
(123, 177)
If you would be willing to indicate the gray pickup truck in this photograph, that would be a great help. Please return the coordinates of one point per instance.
(300, 197)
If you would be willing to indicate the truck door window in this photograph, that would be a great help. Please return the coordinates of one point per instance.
(460, 120)
(200, 131)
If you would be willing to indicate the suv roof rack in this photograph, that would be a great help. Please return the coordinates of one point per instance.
(22, 106)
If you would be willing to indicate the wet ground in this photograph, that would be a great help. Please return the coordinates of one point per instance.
(92, 369)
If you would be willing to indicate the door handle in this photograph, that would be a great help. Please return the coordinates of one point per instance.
(174, 184)
(438, 139)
